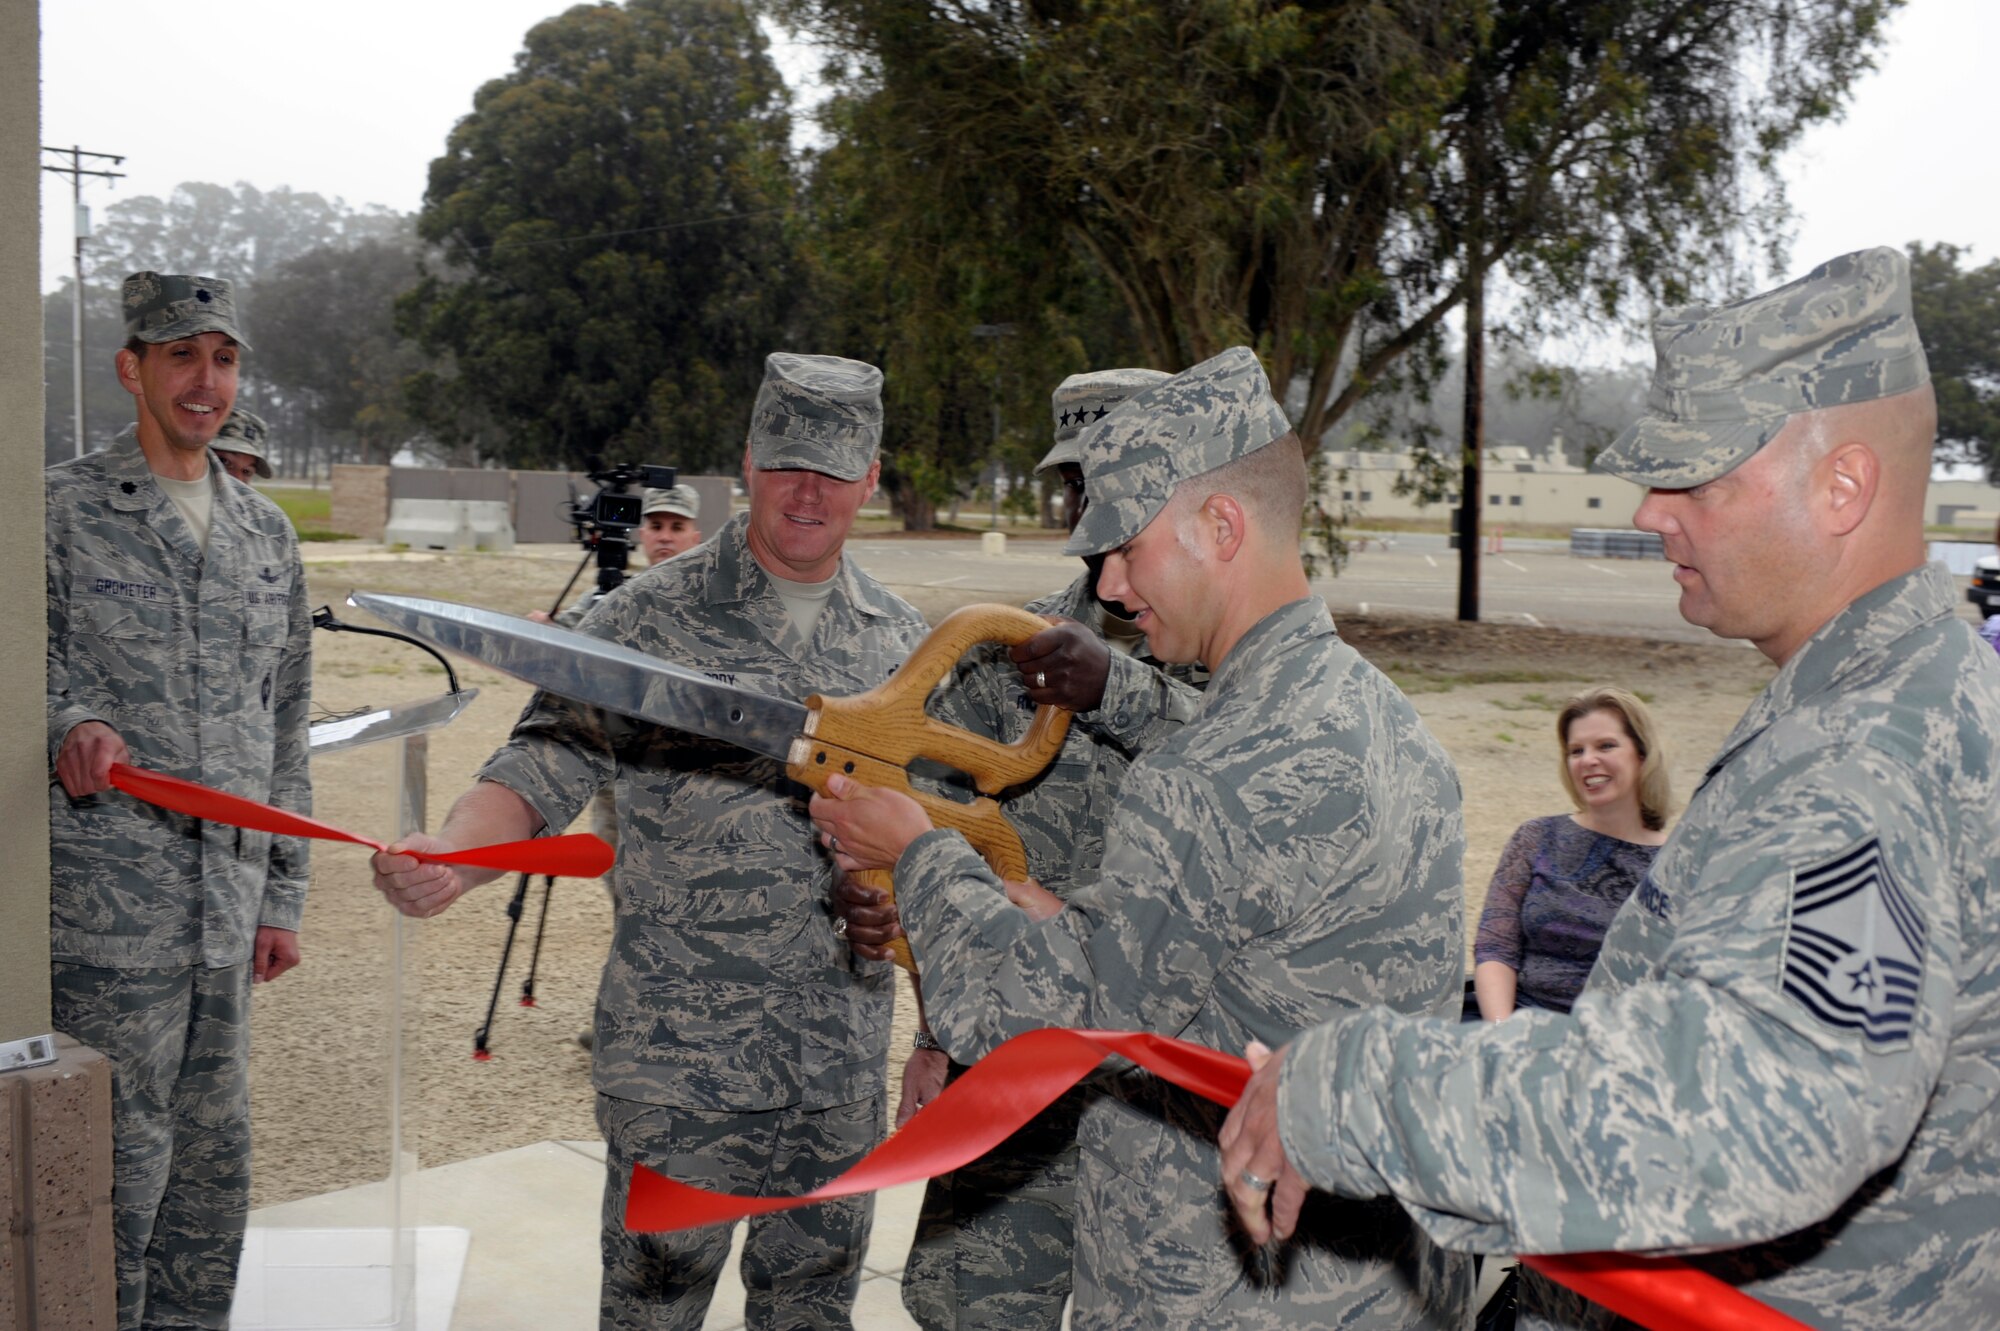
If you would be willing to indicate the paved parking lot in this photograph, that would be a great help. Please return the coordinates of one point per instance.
(1527, 583)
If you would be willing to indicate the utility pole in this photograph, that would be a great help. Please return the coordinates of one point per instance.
(81, 219)
(984, 332)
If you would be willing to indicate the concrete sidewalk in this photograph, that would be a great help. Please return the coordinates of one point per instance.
(525, 1222)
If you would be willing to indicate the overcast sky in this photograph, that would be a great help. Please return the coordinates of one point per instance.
(353, 101)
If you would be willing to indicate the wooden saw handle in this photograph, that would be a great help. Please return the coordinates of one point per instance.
(874, 736)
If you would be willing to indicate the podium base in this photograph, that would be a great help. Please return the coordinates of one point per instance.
(345, 1279)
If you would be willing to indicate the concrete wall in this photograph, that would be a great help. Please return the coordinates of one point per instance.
(540, 499)
(24, 769)
(360, 500)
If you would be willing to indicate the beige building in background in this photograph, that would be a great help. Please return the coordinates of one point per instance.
(1546, 489)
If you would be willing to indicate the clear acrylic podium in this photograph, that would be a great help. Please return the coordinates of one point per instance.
(356, 1265)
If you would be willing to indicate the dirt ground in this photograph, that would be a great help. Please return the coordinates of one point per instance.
(321, 1058)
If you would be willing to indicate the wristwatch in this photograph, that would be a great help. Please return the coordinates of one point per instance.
(923, 1039)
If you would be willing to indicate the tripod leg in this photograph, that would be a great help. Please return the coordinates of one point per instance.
(480, 1051)
(535, 957)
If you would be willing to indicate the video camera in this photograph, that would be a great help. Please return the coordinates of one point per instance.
(605, 521)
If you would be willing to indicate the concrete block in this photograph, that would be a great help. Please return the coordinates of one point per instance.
(360, 500)
(69, 1126)
(57, 1267)
(993, 543)
(449, 524)
(75, 1281)
(13, 1274)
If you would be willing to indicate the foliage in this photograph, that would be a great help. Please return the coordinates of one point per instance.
(969, 304)
(1958, 316)
(1326, 180)
(327, 338)
(612, 260)
(242, 233)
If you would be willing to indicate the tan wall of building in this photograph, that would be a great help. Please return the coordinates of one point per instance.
(1545, 497)
(24, 799)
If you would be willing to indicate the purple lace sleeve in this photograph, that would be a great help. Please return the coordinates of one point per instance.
(1499, 937)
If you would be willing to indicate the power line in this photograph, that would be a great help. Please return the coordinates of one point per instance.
(615, 235)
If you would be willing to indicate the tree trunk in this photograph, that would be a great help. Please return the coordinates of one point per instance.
(919, 513)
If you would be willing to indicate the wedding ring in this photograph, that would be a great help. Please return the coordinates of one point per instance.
(1255, 1184)
(1041, 680)
(840, 926)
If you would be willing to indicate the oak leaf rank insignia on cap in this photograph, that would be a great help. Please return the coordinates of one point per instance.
(166, 307)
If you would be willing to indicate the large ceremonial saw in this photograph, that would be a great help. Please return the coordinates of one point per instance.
(872, 737)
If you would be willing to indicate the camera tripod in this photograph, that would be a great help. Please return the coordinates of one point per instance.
(482, 1050)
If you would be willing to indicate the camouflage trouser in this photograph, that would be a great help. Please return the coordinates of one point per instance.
(179, 1043)
(996, 1238)
(801, 1269)
(604, 822)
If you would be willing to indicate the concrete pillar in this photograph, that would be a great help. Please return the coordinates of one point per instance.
(55, 1118)
(24, 810)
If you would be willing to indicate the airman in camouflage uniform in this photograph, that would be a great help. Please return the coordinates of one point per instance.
(739, 1045)
(190, 657)
(1292, 852)
(1788, 1055)
(240, 443)
(995, 1239)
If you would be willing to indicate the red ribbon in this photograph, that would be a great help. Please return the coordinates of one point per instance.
(580, 855)
(998, 1095)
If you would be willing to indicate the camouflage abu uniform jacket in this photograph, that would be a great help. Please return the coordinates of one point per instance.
(726, 988)
(1291, 853)
(1061, 813)
(1791, 1040)
(204, 666)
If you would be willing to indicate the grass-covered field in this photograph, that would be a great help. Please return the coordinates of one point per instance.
(310, 509)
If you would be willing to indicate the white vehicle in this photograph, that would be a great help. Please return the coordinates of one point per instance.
(1985, 589)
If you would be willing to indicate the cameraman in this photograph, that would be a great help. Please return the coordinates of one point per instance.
(669, 524)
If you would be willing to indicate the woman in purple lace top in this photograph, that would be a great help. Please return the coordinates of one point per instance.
(1563, 877)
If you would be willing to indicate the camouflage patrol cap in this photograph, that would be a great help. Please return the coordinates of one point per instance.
(817, 413)
(166, 307)
(1085, 399)
(682, 499)
(245, 432)
(1200, 419)
(1730, 376)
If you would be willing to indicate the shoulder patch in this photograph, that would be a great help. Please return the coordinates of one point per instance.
(1854, 951)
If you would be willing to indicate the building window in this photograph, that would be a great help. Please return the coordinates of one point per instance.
(1367, 495)
(1492, 501)
(1347, 494)
(1593, 502)
(1513, 501)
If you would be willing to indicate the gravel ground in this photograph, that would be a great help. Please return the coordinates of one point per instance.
(320, 1059)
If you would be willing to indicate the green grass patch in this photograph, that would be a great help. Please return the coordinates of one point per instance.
(310, 509)
(1503, 737)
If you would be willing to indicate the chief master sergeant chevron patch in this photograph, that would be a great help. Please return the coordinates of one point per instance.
(1854, 951)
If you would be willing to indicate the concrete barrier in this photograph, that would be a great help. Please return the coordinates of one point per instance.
(993, 543)
(449, 524)
(1608, 543)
